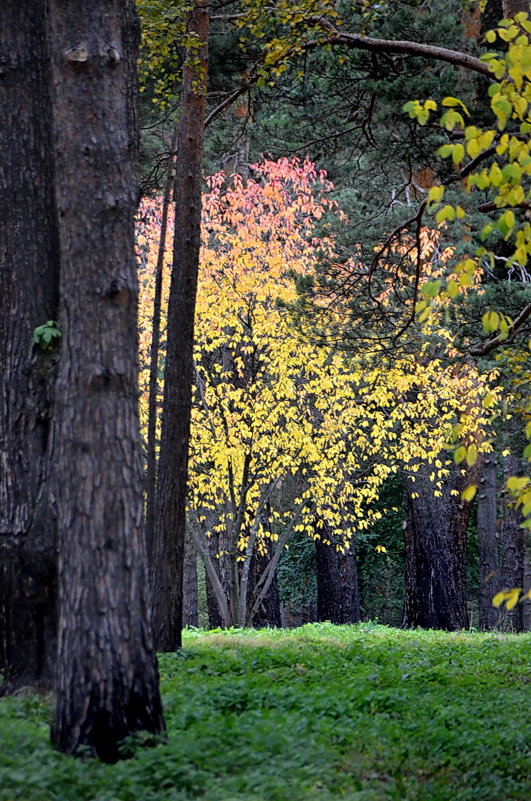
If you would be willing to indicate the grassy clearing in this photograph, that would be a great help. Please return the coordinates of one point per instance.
(363, 713)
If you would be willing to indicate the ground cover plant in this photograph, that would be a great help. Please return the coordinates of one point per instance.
(360, 712)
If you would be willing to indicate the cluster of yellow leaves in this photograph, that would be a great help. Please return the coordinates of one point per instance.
(510, 166)
(164, 34)
(510, 598)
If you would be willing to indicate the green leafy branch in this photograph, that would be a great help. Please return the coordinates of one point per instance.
(47, 336)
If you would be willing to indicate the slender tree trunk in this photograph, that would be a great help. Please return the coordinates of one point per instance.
(526, 604)
(29, 281)
(435, 540)
(215, 619)
(268, 612)
(190, 588)
(154, 356)
(489, 567)
(168, 549)
(511, 549)
(107, 684)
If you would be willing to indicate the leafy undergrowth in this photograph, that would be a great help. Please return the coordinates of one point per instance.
(363, 713)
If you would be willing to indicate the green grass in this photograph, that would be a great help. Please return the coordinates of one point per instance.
(363, 713)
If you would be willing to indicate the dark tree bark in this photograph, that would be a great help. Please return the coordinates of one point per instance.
(215, 621)
(511, 538)
(154, 356)
(268, 612)
(107, 684)
(328, 583)
(513, 7)
(526, 603)
(337, 584)
(489, 571)
(166, 570)
(29, 279)
(190, 588)
(350, 595)
(435, 545)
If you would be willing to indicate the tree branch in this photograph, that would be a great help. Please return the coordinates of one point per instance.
(492, 344)
(407, 48)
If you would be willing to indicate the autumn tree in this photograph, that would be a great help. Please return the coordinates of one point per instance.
(270, 404)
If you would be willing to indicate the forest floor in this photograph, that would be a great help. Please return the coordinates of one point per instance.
(363, 713)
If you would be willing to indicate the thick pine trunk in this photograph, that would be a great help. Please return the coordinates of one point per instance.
(166, 569)
(107, 684)
(337, 584)
(328, 583)
(29, 278)
(489, 574)
(435, 545)
(350, 595)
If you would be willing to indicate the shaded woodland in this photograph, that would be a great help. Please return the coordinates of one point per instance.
(265, 314)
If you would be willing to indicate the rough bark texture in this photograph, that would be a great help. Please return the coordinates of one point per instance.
(350, 595)
(512, 7)
(107, 684)
(29, 277)
(435, 540)
(166, 573)
(489, 578)
(337, 584)
(328, 583)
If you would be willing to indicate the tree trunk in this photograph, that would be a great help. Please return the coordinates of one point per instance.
(489, 569)
(511, 549)
(268, 613)
(513, 7)
(337, 584)
(435, 545)
(29, 279)
(526, 603)
(107, 684)
(350, 595)
(154, 355)
(190, 588)
(328, 583)
(168, 548)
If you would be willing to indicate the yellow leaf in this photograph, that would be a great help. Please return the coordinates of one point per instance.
(469, 493)
(509, 596)
(471, 456)
(460, 454)
(453, 289)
